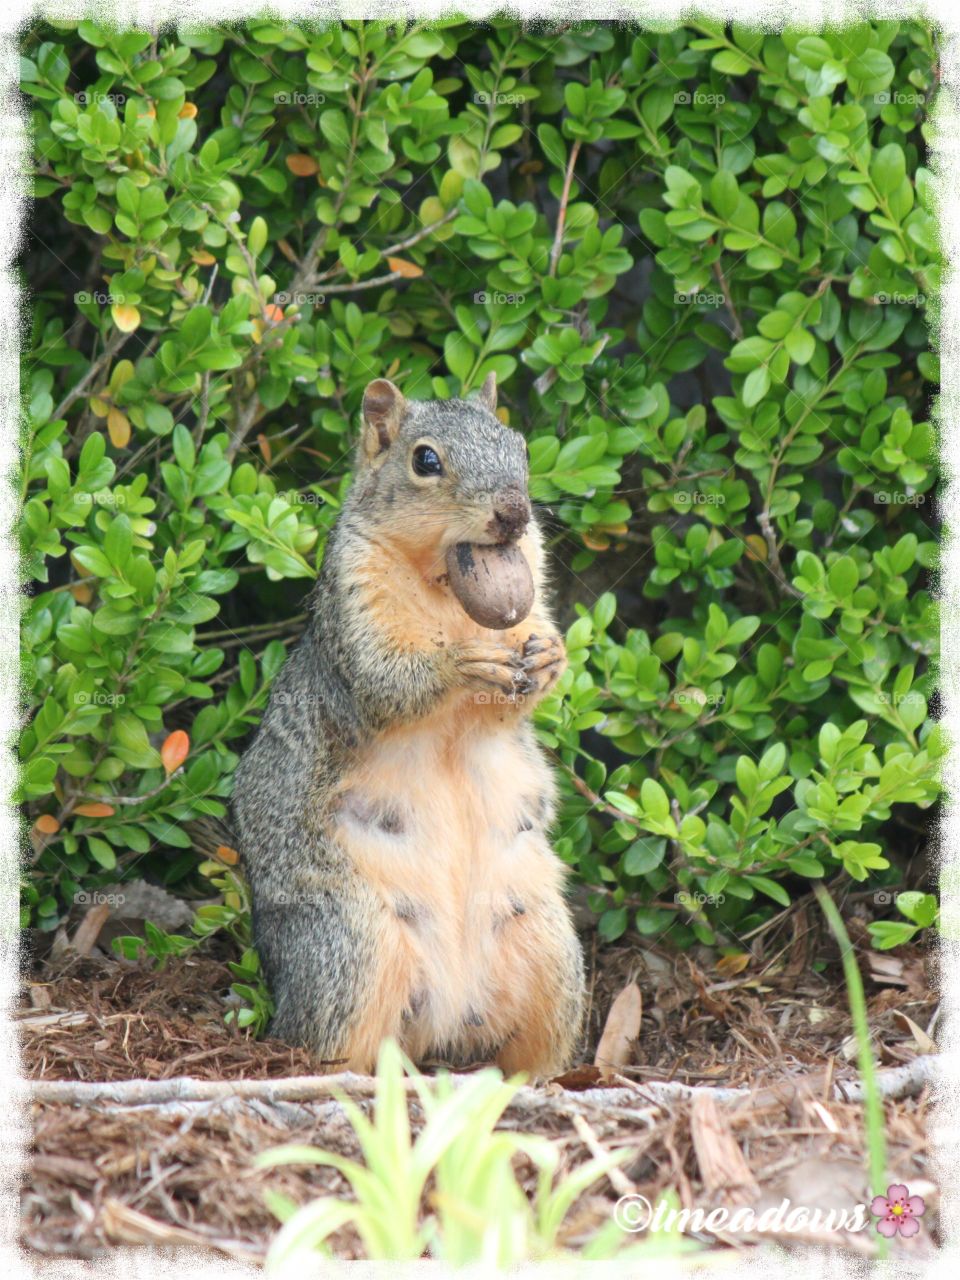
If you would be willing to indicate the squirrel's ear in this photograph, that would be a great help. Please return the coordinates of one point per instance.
(382, 410)
(488, 392)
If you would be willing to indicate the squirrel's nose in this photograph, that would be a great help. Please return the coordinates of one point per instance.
(511, 514)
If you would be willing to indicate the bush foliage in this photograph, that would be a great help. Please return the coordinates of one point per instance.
(702, 264)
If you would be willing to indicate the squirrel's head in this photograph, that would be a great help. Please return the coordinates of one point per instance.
(443, 471)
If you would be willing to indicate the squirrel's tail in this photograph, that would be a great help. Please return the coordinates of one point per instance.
(213, 838)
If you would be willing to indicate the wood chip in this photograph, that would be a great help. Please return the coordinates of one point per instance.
(725, 1171)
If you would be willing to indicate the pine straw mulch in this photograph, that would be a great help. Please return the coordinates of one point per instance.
(181, 1173)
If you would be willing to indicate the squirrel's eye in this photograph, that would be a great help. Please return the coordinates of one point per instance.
(426, 462)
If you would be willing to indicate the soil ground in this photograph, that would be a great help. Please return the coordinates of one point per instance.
(102, 1175)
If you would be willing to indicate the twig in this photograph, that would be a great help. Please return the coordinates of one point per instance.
(114, 343)
(394, 248)
(562, 212)
(728, 300)
(618, 1179)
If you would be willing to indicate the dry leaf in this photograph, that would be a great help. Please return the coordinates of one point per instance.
(265, 451)
(302, 166)
(175, 750)
(408, 270)
(273, 313)
(203, 258)
(621, 1029)
(924, 1043)
(728, 966)
(226, 854)
(578, 1078)
(188, 111)
(47, 824)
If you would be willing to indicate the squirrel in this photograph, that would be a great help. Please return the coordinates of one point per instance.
(392, 811)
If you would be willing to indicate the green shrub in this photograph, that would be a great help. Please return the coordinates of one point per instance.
(701, 263)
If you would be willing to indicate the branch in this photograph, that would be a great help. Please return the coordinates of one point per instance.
(894, 1083)
(114, 343)
(393, 249)
(562, 212)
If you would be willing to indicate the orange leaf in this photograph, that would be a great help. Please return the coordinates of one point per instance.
(188, 111)
(47, 824)
(175, 750)
(595, 543)
(409, 270)
(126, 318)
(203, 258)
(302, 166)
(756, 547)
(82, 593)
(118, 428)
(265, 451)
(273, 312)
(95, 809)
(228, 855)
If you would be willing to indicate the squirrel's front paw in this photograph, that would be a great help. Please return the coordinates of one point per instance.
(484, 665)
(543, 659)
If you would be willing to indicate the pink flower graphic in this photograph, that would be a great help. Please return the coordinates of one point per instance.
(898, 1210)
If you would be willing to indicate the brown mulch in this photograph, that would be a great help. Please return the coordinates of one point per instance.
(144, 1023)
(182, 1173)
